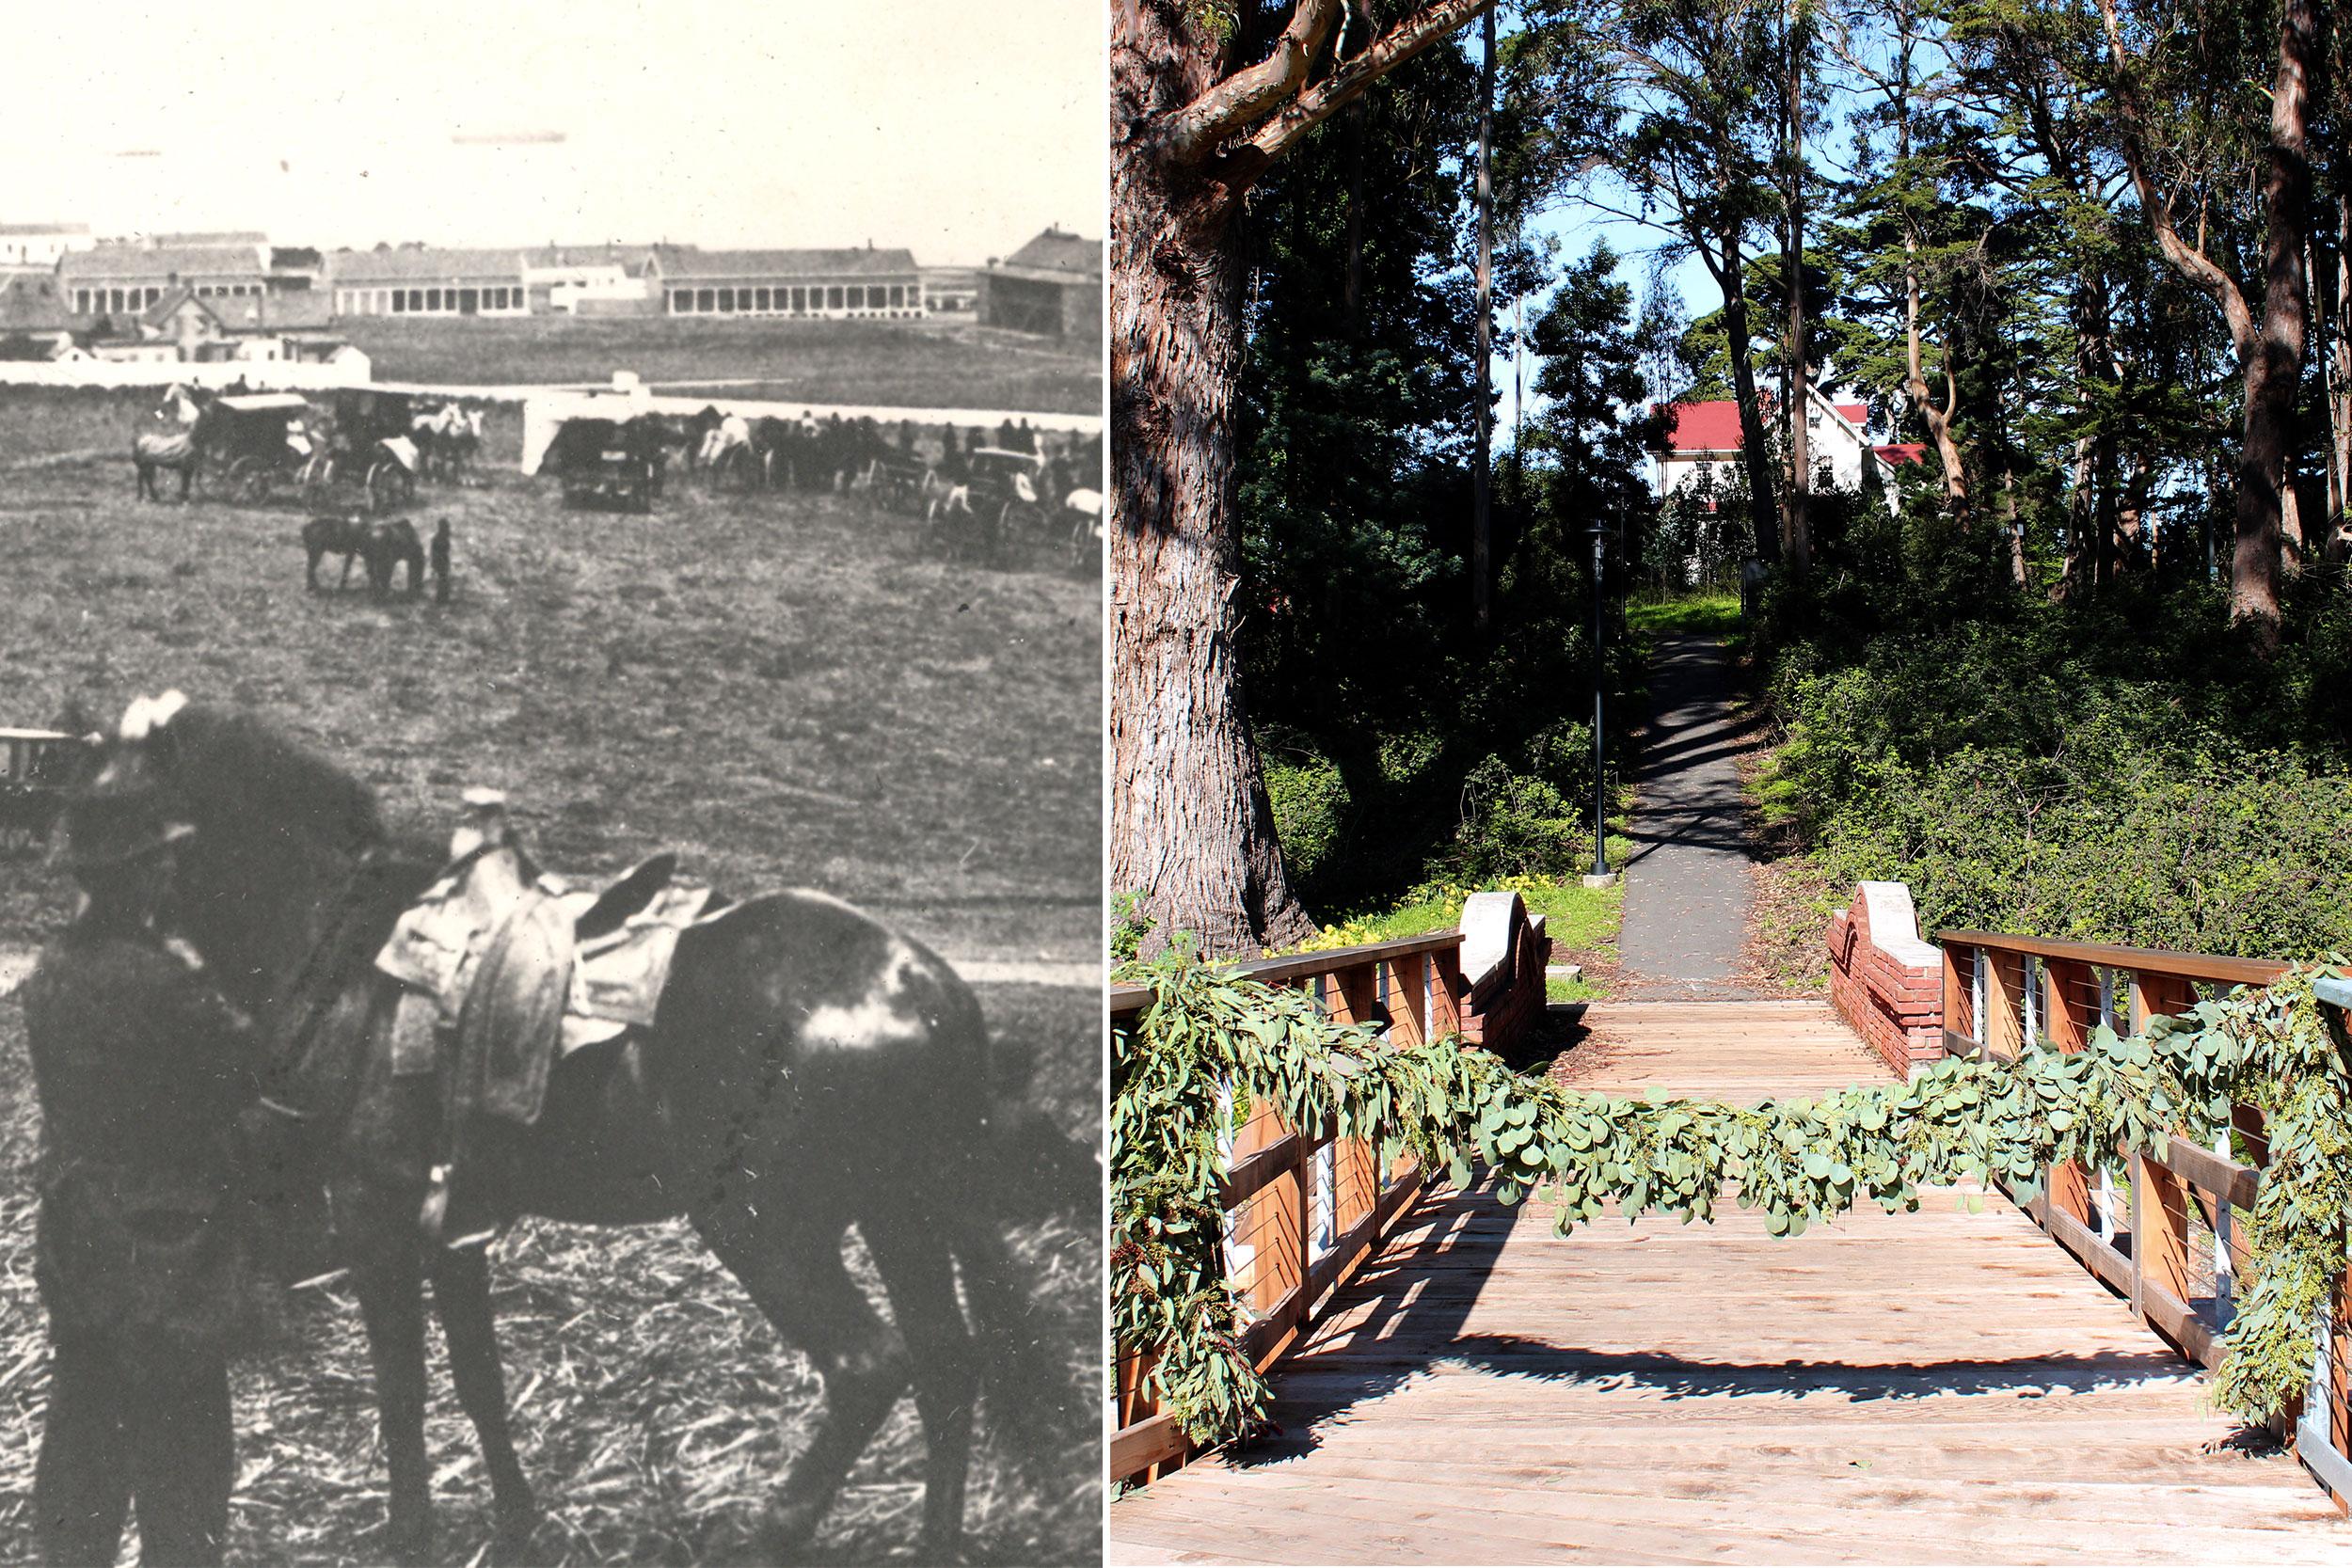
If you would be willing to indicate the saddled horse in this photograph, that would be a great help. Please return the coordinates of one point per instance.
(343, 536)
(808, 1070)
(393, 544)
(172, 438)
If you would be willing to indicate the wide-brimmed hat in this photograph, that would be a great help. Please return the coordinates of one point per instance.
(109, 829)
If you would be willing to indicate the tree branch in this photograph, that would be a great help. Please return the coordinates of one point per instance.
(2192, 263)
(1194, 132)
(1392, 49)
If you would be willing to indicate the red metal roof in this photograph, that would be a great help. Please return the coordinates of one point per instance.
(1714, 425)
(1901, 452)
(1706, 426)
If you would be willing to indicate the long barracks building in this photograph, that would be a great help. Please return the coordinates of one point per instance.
(836, 284)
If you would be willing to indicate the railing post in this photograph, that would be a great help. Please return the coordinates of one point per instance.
(1957, 1011)
(2004, 1004)
(2072, 995)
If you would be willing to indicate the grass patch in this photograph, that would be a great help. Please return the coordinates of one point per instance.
(1583, 921)
(1559, 989)
(1705, 614)
(889, 363)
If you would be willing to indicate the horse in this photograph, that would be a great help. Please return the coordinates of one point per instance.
(447, 441)
(179, 446)
(808, 1069)
(697, 432)
(344, 536)
(390, 545)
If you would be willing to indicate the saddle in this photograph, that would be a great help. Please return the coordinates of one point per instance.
(505, 971)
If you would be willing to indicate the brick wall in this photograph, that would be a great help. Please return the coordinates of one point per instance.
(1503, 955)
(1883, 980)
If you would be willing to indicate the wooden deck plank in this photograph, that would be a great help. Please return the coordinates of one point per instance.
(1937, 1386)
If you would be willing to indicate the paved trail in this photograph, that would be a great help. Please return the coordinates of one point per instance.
(1686, 887)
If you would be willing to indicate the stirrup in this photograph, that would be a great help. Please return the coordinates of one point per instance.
(433, 1218)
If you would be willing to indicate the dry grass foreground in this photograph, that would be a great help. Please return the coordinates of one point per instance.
(783, 690)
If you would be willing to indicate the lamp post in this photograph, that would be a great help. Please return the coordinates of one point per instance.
(1600, 875)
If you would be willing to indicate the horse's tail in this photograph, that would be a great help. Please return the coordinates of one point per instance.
(1029, 1170)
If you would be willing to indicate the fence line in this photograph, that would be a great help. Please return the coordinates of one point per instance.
(1305, 1210)
(2172, 1241)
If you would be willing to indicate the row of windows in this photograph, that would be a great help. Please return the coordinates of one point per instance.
(428, 302)
(91, 302)
(783, 301)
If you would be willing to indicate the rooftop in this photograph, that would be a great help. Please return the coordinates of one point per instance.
(424, 265)
(161, 263)
(1713, 424)
(693, 261)
(1059, 252)
(260, 312)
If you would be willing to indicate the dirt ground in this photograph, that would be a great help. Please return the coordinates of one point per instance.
(787, 692)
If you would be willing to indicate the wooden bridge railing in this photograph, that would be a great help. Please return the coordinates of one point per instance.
(2172, 1241)
(1305, 1210)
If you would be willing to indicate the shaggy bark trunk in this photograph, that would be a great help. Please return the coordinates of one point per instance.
(1481, 477)
(1192, 830)
(2274, 370)
(1762, 514)
(1796, 534)
(2340, 393)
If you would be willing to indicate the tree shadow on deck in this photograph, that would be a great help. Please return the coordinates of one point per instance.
(1345, 1369)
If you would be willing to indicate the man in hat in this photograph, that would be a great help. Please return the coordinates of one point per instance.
(440, 562)
(141, 1067)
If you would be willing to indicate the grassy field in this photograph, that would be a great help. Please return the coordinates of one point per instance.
(1715, 613)
(784, 690)
(890, 363)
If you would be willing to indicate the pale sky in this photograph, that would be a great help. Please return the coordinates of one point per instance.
(956, 130)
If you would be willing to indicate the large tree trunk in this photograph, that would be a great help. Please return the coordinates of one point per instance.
(1753, 455)
(1796, 528)
(1191, 829)
(2340, 391)
(2274, 371)
(1482, 476)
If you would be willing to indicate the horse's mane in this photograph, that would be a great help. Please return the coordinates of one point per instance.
(237, 770)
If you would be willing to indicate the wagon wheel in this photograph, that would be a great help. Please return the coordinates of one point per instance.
(246, 478)
(1085, 545)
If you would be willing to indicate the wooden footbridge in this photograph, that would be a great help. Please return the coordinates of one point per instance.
(1458, 1384)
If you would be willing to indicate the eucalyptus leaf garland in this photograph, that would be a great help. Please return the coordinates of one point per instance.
(1211, 1044)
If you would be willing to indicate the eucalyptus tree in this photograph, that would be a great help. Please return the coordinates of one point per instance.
(2191, 144)
(1700, 152)
(1205, 97)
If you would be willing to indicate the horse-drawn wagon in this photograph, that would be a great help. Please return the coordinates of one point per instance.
(36, 767)
(364, 452)
(603, 449)
(998, 502)
(256, 441)
(607, 462)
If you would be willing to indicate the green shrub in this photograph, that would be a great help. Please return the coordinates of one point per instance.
(1311, 808)
(1516, 825)
(2083, 773)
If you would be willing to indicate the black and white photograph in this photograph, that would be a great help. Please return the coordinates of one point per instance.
(551, 785)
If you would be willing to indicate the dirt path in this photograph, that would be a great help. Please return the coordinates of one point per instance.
(1687, 887)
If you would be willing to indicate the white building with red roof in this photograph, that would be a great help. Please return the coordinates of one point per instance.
(1703, 439)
